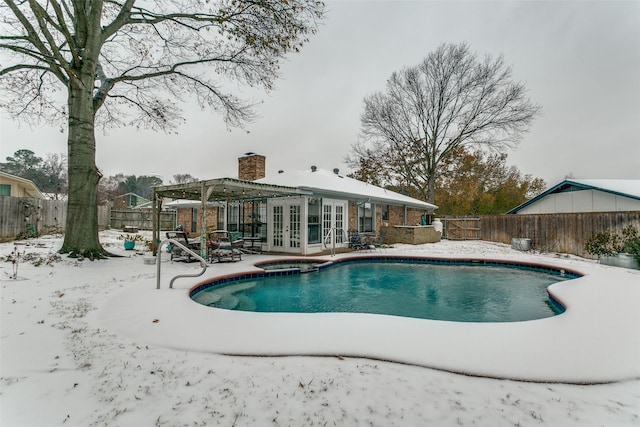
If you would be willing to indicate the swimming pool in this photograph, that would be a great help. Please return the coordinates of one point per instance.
(454, 290)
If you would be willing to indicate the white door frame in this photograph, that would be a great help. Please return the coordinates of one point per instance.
(287, 224)
(335, 217)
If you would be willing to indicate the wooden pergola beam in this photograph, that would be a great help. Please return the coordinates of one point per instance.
(219, 189)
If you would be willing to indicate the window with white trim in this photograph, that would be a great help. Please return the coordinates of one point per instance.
(313, 221)
(366, 213)
(233, 220)
(220, 223)
(194, 220)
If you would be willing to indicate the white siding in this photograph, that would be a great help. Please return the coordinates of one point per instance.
(581, 201)
(563, 203)
(602, 202)
(626, 204)
(586, 201)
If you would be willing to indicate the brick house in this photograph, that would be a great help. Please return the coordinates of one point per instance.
(301, 212)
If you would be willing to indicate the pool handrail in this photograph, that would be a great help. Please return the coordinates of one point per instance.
(332, 231)
(203, 262)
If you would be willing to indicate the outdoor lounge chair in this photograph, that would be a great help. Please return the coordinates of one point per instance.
(224, 246)
(355, 240)
(177, 253)
(217, 237)
(225, 252)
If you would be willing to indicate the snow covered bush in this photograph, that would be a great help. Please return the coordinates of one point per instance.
(609, 243)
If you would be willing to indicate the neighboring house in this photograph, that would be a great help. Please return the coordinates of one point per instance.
(312, 210)
(14, 186)
(129, 201)
(585, 195)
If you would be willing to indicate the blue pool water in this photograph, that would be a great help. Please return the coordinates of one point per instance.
(466, 293)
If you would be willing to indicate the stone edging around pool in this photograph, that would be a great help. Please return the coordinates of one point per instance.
(593, 341)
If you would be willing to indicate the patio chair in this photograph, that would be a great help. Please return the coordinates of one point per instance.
(378, 242)
(216, 237)
(355, 240)
(177, 253)
(225, 252)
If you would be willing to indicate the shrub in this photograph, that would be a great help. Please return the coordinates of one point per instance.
(609, 243)
(603, 243)
(633, 247)
(133, 238)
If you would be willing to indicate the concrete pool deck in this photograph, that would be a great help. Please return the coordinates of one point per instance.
(594, 341)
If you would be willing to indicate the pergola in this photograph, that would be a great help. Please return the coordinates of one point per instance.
(219, 189)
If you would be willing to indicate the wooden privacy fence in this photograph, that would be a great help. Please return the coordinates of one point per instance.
(461, 228)
(26, 217)
(142, 219)
(564, 233)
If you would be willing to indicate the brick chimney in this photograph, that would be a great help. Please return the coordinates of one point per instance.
(251, 166)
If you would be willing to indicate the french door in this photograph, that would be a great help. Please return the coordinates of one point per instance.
(286, 225)
(334, 214)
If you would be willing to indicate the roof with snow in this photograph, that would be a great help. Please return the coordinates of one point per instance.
(223, 189)
(186, 203)
(27, 186)
(620, 187)
(331, 184)
(317, 182)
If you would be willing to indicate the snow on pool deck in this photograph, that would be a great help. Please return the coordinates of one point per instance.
(594, 341)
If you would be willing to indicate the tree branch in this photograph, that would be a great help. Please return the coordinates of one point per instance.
(42, 17)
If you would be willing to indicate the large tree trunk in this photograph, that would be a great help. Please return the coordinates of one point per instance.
(431, 189)
(81, 236)
(431, 181)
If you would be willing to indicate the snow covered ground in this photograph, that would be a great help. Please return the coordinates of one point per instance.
(95, 344)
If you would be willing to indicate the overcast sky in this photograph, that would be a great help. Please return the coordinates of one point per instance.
(580, 61)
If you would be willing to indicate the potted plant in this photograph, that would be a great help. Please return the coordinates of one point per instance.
(149, 243)
(130, 240)
(621, 250)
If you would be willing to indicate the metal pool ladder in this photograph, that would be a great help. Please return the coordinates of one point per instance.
(332, 231)
(203, 263)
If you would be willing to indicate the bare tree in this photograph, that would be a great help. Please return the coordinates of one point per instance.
(49, 175)
(451, 99)
(109, 187)
(88, 63)
(55, 172)
(183, 178)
